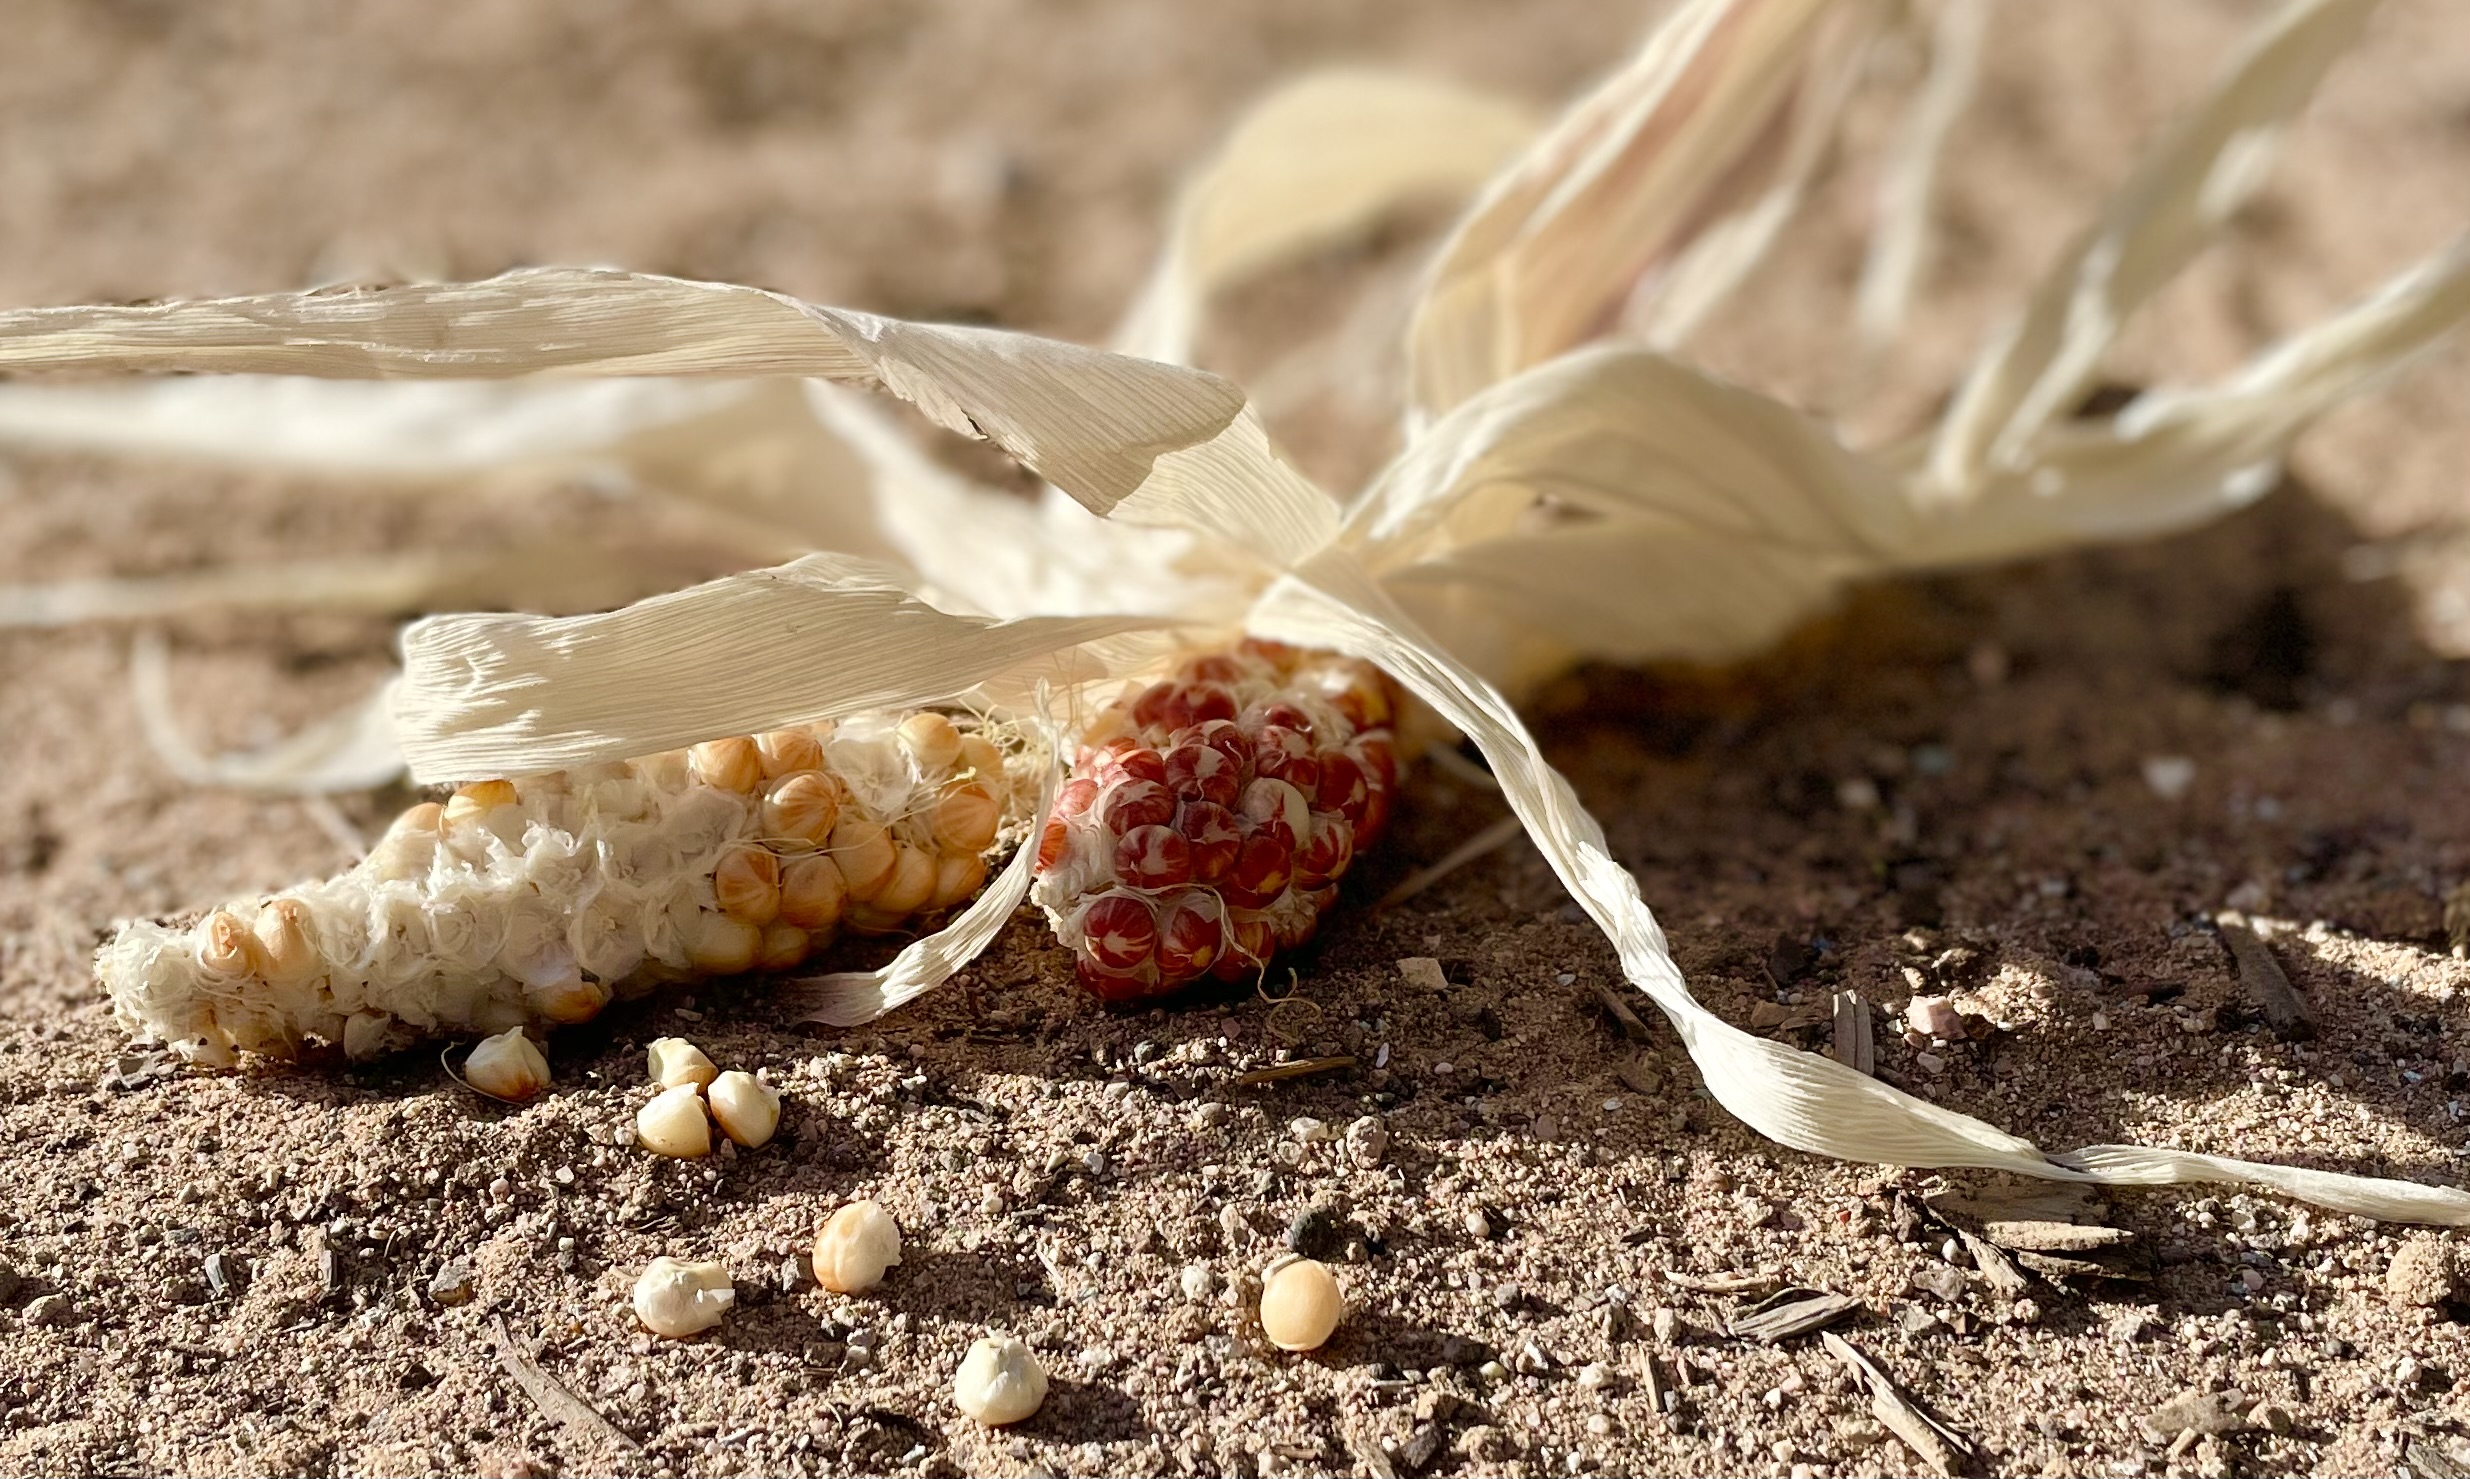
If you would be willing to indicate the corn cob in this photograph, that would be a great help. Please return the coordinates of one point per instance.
(535, 901)
(1208, 819)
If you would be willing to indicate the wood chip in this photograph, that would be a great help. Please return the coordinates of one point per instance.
(1300, 1068)
(2266, 984)
(1788, 1313)
(2037, 1236)
(1939, 1446)
(1740, 1281)
(560, 1405)
(2065, 1266)
(1855, 1046)
(1997, 1271)
(1628, 1023)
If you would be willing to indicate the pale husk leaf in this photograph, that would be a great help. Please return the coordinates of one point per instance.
(1621, 182)
(2185, 185)
(820, 638)
(1309, 164)
(1908, 178)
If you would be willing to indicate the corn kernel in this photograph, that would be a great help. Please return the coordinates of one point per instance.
(508, 1066)
(746, 1108)
(672, 1061)
(746, 885)
(933, 744)
(720, 946)
(1300, 1304)
(784, 946)
(864, 851)
(958, 877)
(857, 1244)
(966, 817)
(225, 946)
(999, 1381)
(677, 1299)
(802, 808)
(732, 764)
(674, 1123)
(812, 892)
(787, 751)
(286, 953)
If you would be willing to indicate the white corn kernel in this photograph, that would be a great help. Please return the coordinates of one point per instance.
(746, 885)
(788, 751)
(958, 877)
(982, 760)
(568, 1001)
(1300, 1304)
(865, 855)
(802, 808)
(471, 803)
(679, 1299)
(718, 945)
(747, 1109)
(857, 1244)
(732, 764)
(967, 817)
(912, 882)
(933, 744)
(287, 954)
(508, 1066)
(674, 1123)
(673, 1061)
(999, 1382)
(225, 946)
(812, 892)
(784, 946)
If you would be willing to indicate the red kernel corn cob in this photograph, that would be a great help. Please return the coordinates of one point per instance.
(1208, 818)
(534, 901)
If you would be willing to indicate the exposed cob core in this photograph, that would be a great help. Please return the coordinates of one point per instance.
(1208, 818)
(534, 901)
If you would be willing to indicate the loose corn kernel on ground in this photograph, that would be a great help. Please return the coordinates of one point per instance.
(1209, 818)
(536, 900)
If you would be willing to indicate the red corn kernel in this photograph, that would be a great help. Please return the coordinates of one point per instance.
(1221, 735)
(1054, 840)
(1324, 857)
(1118, 932)
(1135, 762)
(1150, 708)
(1189, 933)
(1277, 653)
(1153, 857)
(1278, 809)
(1378, 757)
(1262, 871)
(1196, 772)
(1213, 836)
(1354, 689)
(1075, 797)
(1375, 820)
(1286, 754)
(1197, 703)
(1215, 667)
(1246, 948)
(1343, 787)
(1131, 804)
(1274, 714)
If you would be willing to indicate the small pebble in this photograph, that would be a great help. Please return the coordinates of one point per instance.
(1198, 1282)
(1300, 1304)
(999, 1381)
(1367, 1141)
(1594, 1376)
(1478, 1225)
(49, 1309)
(1934, 1016)
(453, 1283)
(2422, 1273)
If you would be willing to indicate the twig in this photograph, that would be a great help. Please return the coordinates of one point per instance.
(560, 1405)
(1491, 839)
(1297, 1069)
(2266, 984)
(1855, 1047)
(1938, 1445)
(1629, 1022)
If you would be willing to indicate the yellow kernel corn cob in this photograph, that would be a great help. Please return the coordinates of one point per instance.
(536, 900)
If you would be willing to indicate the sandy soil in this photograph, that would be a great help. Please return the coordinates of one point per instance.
(1944, 784)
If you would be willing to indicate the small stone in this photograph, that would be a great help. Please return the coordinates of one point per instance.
(2274, 1419)
(1934, 1016)
(1666, 1324)
(1930, 1063)
(1422, 1447)
(453, 1283)
(1493, 1371)
(1507, 1296)
(1209, 1116)
(2195, 1412)
(1917, 1322)
(224, 1274)
(1531, 1360)
(2169, 776)
(1943, 1280)
(2422, 1273)
(1367, 1141)
(1594, 1376)
(1478, 1225)
(1198, 1282)
(49, 1309)
(1316, 1232)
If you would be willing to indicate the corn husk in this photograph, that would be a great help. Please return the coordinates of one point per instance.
(1720, 515)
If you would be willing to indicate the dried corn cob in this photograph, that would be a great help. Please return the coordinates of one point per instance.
(534, 901)
(1209, 818)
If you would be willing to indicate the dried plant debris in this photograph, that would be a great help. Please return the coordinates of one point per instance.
(550, 1395)
(1855, 1042)
(1787, 1313)
(2289, 1014)
(1934, 1442)
(2057, 1240)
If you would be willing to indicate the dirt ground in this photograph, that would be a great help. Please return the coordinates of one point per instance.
(1950, 782)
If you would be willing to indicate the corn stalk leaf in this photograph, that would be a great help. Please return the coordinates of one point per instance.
(2179, 193)
(347, 751)
(1908, 179)
(1310, 164)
